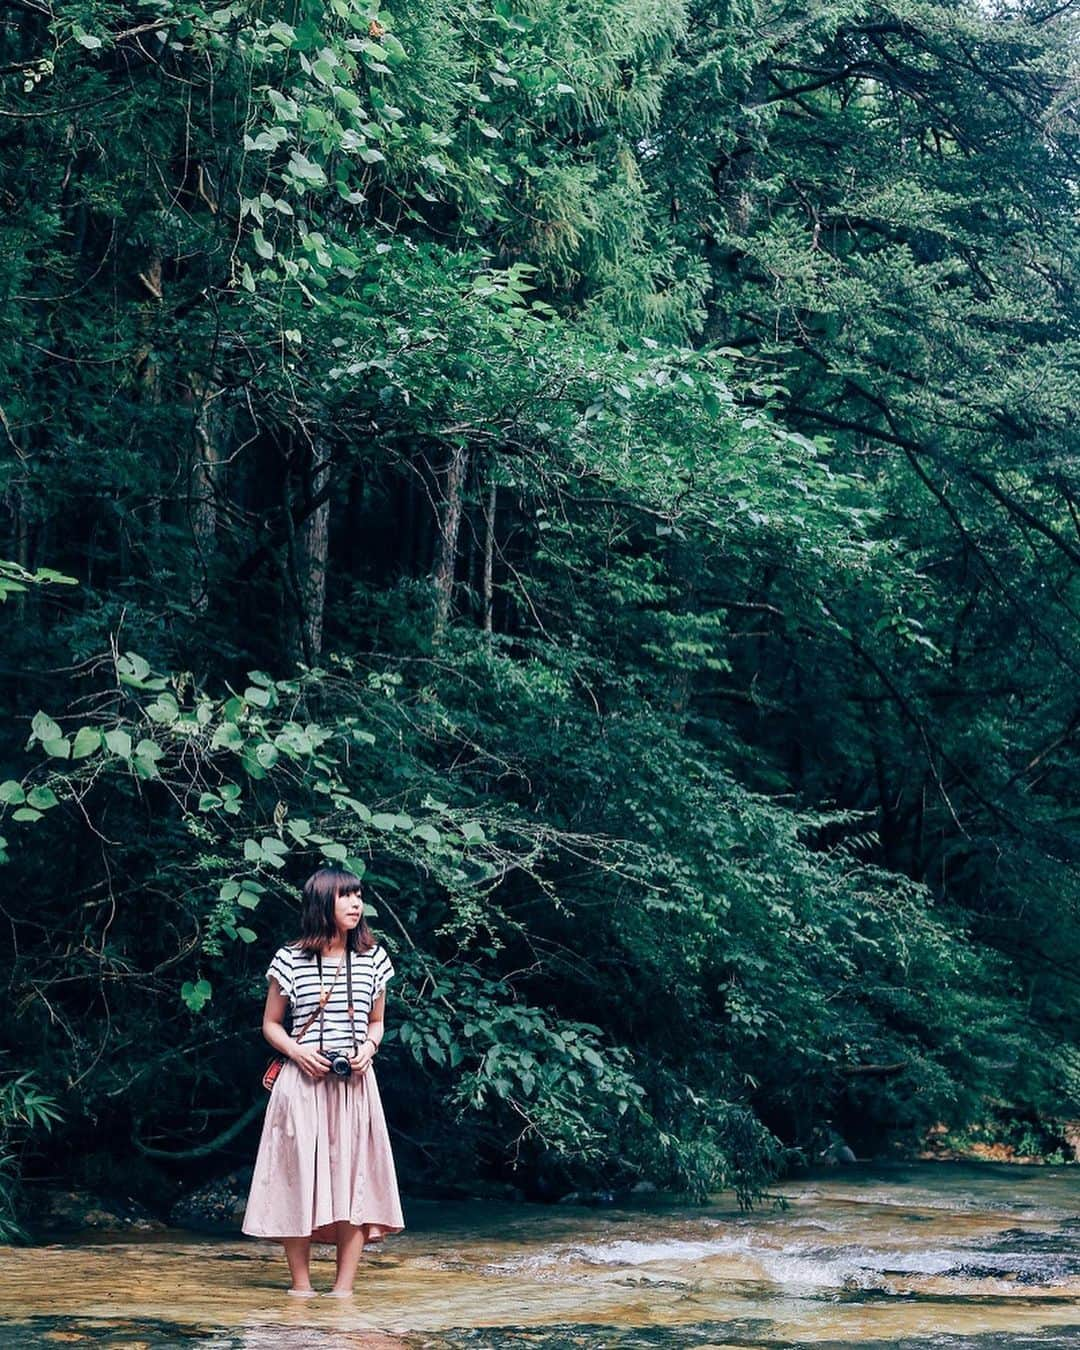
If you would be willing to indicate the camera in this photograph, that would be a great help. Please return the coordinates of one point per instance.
(339, 1062)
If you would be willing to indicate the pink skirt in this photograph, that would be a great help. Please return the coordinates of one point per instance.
(324, 1157)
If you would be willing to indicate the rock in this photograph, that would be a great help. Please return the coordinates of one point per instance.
(643, 1188)
(1070, 1133)
(61, 1211)
(588, 1198)
(837, 1152)
(218, 1204)
(493, 1190)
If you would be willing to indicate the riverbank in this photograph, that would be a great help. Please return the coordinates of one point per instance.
(913, 1255)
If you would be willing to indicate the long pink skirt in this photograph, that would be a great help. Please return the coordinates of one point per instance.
(324, 1156)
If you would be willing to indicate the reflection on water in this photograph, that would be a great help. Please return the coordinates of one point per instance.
(928, 1257)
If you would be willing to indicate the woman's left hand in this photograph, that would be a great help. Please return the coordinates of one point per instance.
(361, 1061)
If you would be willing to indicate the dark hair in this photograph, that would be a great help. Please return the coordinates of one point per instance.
(317, 925)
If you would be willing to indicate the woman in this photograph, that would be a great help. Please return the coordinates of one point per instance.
(324, 1170)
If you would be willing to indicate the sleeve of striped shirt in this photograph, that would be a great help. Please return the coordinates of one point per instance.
(281, 968)
(384, 971)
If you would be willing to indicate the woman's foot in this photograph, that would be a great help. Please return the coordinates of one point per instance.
(339, 1293)
(302, 1293)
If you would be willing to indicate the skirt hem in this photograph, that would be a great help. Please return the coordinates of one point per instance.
(373, 1232)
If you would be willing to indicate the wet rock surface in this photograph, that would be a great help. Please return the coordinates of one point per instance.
(68, 1211)
(841, 1267)
(737, 1334)
(217, 1205)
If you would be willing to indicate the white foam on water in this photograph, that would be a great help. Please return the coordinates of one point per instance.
(801, 1265)
(630, 1252)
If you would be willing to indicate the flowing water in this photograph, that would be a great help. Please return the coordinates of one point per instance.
(935, 1256)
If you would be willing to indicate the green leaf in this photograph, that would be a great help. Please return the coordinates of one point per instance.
(196, 995)
(227, 736)
(44, 728)
(258, 698)
(301, 167)
(26, 813)
(251, 765)
(266, 754)
(42, 798)
(12, 793)
(164, 709)
(133, 669)
(119, 742)
(57, 749)
(87, 740)
(383, 820)
(395, 52)
(246, 934)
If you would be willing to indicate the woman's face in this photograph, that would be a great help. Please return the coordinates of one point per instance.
(347, 911)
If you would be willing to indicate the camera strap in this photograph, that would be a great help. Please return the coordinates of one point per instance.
(324, 997)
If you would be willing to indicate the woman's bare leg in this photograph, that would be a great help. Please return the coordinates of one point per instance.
(298, 1255)
(350, 1243)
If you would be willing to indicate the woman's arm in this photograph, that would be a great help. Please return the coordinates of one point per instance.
(273, 1029)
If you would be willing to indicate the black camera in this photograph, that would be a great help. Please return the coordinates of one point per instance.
(339, 1062)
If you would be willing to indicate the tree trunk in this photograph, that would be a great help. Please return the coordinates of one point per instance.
(307, 558)
(149, 380)
(448, 536)
(489, 555)
(312, 551)
(204, 481)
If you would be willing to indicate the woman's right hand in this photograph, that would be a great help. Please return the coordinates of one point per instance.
(310, 1061)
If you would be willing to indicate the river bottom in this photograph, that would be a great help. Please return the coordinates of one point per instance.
(740, 1334)
(930, 1257)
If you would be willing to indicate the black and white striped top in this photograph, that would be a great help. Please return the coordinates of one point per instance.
(297, 974)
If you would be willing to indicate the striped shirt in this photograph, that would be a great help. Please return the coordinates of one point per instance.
(297, 974)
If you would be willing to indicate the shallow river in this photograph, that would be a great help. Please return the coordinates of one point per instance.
(928, 1257)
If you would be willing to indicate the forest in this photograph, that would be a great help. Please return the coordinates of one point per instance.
(604, 470)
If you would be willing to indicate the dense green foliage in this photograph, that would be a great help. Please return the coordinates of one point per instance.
(607, 471)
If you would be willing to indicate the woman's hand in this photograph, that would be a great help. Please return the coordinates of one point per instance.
(310, 1062)
(361, 1061)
